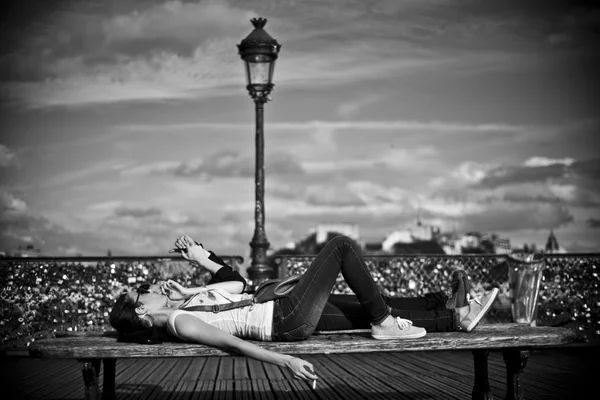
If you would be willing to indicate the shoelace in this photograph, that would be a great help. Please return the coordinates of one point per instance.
(403, 323)
(472, 299)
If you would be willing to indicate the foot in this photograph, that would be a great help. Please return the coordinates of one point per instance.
(396, 328)
(460, 290)
(471, 315)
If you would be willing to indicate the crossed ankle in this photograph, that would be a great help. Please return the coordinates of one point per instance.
(389, 320)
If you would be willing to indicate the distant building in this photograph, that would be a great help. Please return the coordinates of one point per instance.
(450, 243)
(373, 248)
(24, 251)
(420, 233)
(552, 245)
(422, 239)
(502, 246)
(484, 243)
(470, 241)
(400, 236)
(323, 231)
(318, 237)
(419, 247)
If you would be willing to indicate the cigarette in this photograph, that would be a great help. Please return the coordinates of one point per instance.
(314, 384)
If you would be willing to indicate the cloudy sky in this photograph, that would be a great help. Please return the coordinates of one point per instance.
(125, 123)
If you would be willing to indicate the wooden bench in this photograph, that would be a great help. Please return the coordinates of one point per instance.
(513, 340)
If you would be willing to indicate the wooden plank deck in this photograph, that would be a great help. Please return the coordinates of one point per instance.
(552, 373)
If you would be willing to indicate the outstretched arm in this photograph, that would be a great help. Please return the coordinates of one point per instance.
(175, 291)
(191, 329)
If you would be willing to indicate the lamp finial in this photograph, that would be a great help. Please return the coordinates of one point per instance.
(259, 23)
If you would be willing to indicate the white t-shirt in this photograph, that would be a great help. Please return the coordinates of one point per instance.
(250, 322)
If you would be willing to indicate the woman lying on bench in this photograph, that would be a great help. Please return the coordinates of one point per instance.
(292, 318)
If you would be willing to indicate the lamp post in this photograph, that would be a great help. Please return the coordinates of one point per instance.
(259, 52)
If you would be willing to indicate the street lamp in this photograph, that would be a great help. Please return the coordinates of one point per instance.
(259, 52)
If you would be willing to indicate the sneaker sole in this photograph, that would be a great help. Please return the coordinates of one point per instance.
(484, 310)
(413, 336)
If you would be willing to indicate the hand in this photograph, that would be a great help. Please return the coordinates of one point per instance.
(175, 291)
(301, 369)
(190, 250)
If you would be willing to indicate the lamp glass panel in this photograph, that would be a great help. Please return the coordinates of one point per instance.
(258, 73)
(271, 70)
(259, 69)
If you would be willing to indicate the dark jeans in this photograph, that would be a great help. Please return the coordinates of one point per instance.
(429, 311)
(296, 316)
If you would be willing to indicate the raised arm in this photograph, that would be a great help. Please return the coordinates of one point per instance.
(191, 329)
(223, 276)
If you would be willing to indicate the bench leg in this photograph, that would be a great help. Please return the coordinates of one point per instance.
(481, 388)
(108, 386)
(515, 360)
(90, 380)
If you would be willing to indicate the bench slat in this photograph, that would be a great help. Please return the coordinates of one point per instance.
(493, 336)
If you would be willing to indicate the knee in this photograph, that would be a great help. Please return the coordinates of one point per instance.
(342, 244)
(306, 332)
(302, 332)
(341, 239)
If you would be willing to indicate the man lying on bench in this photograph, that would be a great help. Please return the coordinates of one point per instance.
(295, 317)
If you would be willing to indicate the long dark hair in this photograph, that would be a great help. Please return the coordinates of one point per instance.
(132, 328)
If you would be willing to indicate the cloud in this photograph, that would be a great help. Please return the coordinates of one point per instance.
(387, 7)
(173, 50)
(19, 225)
(578, 26)
(222, 164)
(593, 223)
(159, 76)
(352, 107)
(284, 196)
(472, 172)
(124, 228)
(545, 180)
(532, 194)
(411, 126)
(11, 205)
(137, 213)
(186, 50)
(545, 162)
(336, 197)
(7, 157)
(175, 23)
(372, 225)
(57, 240)
(586, 169)
(443, 207)
(510, 217)
(508, 175)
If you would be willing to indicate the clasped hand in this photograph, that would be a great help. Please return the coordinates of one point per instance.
(174, 291)
(190, 250)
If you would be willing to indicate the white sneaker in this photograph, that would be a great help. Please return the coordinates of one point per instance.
(402, 329)
(477, 310)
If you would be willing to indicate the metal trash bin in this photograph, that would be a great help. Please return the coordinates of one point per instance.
(524, 277)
